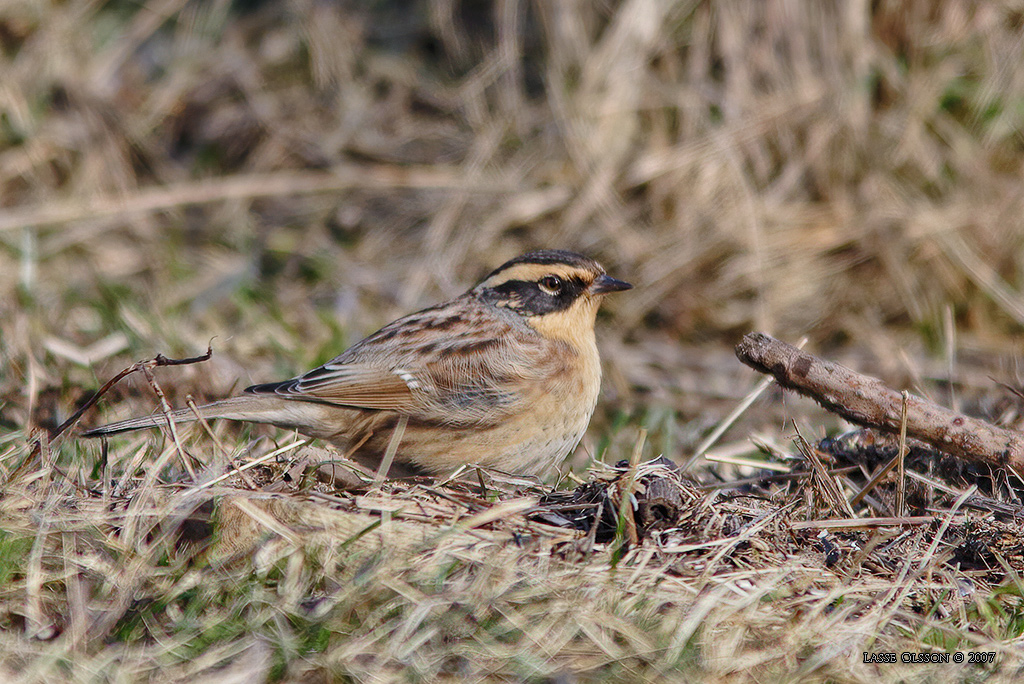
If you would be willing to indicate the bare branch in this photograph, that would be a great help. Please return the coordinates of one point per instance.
(867, 401)
(158, 360)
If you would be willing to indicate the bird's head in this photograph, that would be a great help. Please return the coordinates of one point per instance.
(557, 292)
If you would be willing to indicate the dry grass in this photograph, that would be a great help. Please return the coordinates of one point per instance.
(286, 177)
(485, 579)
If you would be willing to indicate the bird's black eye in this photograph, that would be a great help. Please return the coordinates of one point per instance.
(551, 284)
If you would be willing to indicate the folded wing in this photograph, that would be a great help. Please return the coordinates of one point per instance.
(351, 385)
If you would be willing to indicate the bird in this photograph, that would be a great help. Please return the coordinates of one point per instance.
(506, 376)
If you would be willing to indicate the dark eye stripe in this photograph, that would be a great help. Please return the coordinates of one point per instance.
(527, 298)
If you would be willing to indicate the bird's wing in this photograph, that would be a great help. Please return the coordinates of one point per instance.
(419, 367)
(460, 387)
(354, 385)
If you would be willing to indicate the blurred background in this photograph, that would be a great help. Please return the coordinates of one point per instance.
(286, 177)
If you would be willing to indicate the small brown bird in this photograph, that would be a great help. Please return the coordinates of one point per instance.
(506, 375)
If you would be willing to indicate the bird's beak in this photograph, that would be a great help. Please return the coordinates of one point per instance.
(603, 284)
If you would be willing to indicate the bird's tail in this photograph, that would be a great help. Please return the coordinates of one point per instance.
(254, 409)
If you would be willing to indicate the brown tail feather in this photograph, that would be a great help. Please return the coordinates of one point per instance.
(303, 416)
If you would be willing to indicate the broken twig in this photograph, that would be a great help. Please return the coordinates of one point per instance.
(866, 401)
(158, 360)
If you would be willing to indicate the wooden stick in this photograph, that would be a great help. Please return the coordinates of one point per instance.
(866, 401)
(158, 360)
(855, 523)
